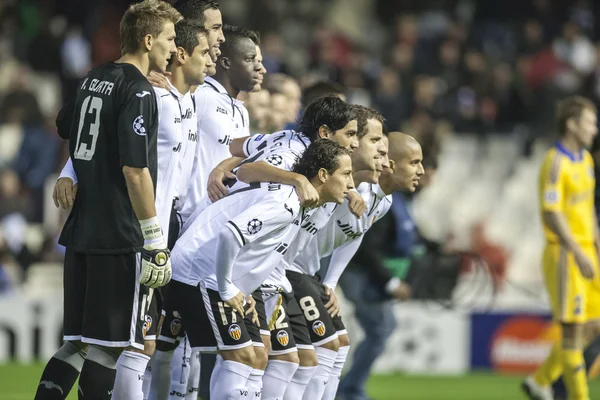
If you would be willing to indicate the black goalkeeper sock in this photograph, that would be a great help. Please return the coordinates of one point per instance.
(96, 381)
(56, 381)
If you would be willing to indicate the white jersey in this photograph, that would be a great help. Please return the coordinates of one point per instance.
(221, 119)
(189, 132)
(169, 144)
(284, 146)
(304, 239)
(343, 229)
(280, 149)
(168, 151)
(263, 221)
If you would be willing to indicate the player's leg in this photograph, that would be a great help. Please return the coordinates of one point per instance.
(567, 290)
(283, 355)
(188, 302)
(308, 363)
(538, 385)
(311, 297)
(193, 382)
(591, 354)
(170, 365)
(171, 349)
(376, 318)
(147, 385)
(144, 317)
(64, 367)
(117, 314)
(340, 360)
(261, 338)
(236, 349)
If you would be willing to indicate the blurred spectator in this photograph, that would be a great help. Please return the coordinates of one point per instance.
(575, 49)
(258, 105)
(37, 159)
(76, 59)
(19, 105)
(277, 117)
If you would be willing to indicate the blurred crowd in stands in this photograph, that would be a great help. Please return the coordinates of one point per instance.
(433, 68)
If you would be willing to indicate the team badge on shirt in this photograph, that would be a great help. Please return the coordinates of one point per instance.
(318, 327)
(283, 338)
(235, 332)
(254, 226)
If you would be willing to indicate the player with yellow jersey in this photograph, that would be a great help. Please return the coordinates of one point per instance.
(570, 259)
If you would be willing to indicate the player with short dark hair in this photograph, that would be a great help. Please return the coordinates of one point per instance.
(113, 235)
(244, 250)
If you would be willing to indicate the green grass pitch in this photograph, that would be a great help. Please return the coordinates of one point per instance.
(18, 382)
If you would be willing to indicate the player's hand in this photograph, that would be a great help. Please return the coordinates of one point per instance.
(64, 193)
(402, 292)
(159, 80)
(216, 189)
(156, 258)
(251, 310)
(237, 303)
(356, 204)
(332, 305)
(586, 267)
(308, 195)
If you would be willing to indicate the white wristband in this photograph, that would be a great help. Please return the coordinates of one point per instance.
(151, 229)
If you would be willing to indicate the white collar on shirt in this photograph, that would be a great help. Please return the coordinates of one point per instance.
(216, 85)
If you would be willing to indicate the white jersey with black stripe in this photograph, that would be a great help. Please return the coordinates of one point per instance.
(342, 227)
(220, 119)
(189, 141)
(264, 220)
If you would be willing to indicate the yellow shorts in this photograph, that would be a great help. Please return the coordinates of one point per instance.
(573, 298)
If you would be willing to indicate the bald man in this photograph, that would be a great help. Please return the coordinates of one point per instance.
(361, 283)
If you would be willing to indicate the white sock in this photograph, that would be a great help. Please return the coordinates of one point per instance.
(161, 375)
(130, 376)
(193, 383)
(147, 380)
(215, 373)
(277, 378)
(232, 382)
(297, 386)
(316, 386)
(336, 373)
(255, 384)
(180, 371)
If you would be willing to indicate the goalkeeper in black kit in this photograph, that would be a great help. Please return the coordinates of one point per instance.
(116, 254)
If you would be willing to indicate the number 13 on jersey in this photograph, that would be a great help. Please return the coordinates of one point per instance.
(91, 105)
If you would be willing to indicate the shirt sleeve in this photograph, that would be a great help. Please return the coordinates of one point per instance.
(68, 171)
(262, 219)
(339, 261)
(229, 248)
(552, 184)
(137, 116)
(255, 143)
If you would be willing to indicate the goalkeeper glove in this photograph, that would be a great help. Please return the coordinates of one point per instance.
(156, 258)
